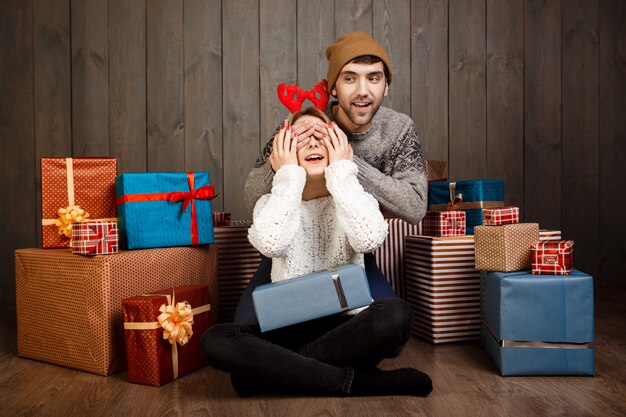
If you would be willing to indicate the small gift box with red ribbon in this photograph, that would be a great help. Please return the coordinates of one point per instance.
(162, 209)
(95, 238)
(163, 332)
(553, 257)
(444, 223)
(75, 190)
(500, 216)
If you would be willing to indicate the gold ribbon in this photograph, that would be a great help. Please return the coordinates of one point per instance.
(456, 202)
(176, 319)
(72, 213)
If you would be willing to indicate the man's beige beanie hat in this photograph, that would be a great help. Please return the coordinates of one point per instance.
(350, 46)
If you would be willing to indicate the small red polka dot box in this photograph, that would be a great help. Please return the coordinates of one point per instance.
(500, 216)
(444, 223)
(553, 257)
(75, 190)
(163, 332)
(95, 238)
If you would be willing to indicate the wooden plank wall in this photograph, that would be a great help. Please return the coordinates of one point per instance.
(530, 91)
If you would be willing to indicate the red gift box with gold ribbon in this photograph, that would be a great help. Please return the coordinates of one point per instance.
(75, 190)
(163, 332)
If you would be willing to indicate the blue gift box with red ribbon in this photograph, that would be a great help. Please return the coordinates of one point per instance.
(163, 209)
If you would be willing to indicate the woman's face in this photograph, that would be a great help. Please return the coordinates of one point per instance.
(314, 156)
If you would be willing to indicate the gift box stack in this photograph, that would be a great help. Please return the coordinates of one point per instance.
(108, 241)
(441, 278)
(537, 311)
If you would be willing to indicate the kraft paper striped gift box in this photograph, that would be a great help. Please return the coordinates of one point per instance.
(237, 262)
(390, 255)
(443, 286)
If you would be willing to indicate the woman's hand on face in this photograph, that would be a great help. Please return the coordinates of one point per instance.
(284, 148)
(305, 130)
(336, 143)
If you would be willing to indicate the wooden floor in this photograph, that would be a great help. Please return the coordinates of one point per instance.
(466, 383)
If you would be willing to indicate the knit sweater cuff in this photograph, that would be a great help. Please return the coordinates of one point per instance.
(289, 181)
(339, 171)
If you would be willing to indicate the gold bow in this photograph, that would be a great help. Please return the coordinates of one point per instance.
(67, 216)
(177, 321)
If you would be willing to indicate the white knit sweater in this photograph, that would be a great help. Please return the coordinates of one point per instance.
(309, 236)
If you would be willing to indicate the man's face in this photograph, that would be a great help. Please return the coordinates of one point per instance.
(360, 90)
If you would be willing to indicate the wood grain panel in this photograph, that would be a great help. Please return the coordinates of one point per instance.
(429, 76)
(279, 57)
(581, 164)
(51, 86)
(90, 78)
(542, 110)
(127, 84)
(203, 90)
(505, 97)
(17, 140)
(612, 139)
(353, 15)
(392, 29)
(166, 135)
(316, 29)
(240, 38)
(467, 96)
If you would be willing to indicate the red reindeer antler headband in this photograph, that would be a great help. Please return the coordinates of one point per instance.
(287, 96)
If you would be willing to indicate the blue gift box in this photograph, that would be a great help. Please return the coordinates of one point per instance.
(538, 324)
(311, 296)
(162, 209)
(471, 196)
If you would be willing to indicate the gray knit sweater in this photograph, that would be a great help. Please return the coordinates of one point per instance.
(391, 169)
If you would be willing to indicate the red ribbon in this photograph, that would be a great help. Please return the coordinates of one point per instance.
(203, 193)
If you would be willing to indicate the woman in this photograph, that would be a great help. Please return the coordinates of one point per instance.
(316, 217)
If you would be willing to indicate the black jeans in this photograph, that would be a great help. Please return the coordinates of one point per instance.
(315, 357)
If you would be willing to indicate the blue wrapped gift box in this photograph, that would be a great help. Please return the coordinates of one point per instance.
(472, 196)
(311, 296)
(538, 324)
(163, 209)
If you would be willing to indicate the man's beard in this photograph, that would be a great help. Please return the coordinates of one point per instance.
(360, 118)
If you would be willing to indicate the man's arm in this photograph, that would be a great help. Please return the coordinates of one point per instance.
(403, 193)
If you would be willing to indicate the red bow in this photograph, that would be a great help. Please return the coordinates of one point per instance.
(318, 95)
(204, 193)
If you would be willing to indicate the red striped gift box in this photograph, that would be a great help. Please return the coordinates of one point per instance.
(553, 257)
(95, 238)
(237, 262)
(547, 234)
(500, 216)
(390, 255)
(221, 218)
(444, 223)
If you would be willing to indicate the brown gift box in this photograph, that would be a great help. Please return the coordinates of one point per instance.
(436, 170)
(505, 248)
(153, 360)
(85, 182)
(69, 307)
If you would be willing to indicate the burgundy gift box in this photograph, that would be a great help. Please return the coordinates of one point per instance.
(553, 257)
(444, 223)
(95, 238)
(500, 216)
(152, 358)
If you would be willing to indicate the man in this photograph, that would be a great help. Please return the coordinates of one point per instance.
(385, 143)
